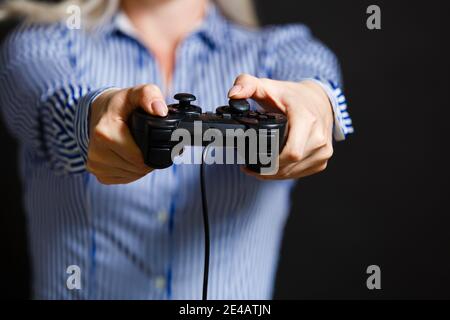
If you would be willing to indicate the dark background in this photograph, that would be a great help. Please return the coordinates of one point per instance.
(384, 198)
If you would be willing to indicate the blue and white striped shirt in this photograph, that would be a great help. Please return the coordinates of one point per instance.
(144, 240)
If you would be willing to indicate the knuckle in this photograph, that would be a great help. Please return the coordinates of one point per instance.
(322, 167)
(283, 174)
(143, 96)
(149, 90)
(101, 135)
(310, 118)
(265, 81)
(137, 160)
(117, 98)
(293, 86)
(122, 129)
(321, 139)
(313, 119)
(329, 152)
(114, 99)
(326, 152)
(290, 98)
(295, 155)
(244, 77)
(144, 93)
(137, 164)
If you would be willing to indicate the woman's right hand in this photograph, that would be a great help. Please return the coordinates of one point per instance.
(113, 156)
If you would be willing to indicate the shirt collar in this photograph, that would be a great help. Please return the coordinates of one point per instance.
(214, 27)
(212, 30)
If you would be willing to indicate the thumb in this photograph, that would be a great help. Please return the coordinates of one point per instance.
(247, 86)
(149, 98)
(264, 91)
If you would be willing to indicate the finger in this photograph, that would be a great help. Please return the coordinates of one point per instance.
(253, 174)
(316, 160)
(109, 157)
(281, 176)
(149, 97)
(140, 167)
(314, 163)
(115, 135)
(115, 180)
(266, 92)
(114, 165)
(276, 176)
(300, 127)
(313, 146)
(247, 86)
(110, 172)
(310, 171)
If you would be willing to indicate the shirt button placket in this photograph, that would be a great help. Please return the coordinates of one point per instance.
(160, 283)
(163, 216)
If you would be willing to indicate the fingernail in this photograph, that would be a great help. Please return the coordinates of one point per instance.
(159, 108)
(235, 90)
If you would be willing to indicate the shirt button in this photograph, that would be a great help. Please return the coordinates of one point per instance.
(160, 282)
(163, 216)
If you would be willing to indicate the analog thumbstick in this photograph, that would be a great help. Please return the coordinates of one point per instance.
(185, 99)
(239, 105)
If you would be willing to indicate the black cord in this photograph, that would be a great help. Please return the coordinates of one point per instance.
(205, 225)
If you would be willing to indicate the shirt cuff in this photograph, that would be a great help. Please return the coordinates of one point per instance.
(82, 117)
(342, 121)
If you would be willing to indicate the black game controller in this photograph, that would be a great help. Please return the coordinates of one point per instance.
(153, 134)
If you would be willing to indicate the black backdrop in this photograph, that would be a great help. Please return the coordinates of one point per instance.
(383, 200)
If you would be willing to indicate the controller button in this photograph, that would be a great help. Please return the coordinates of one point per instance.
(239, 105)
(184, 105)
(185, 98)
(221, 110)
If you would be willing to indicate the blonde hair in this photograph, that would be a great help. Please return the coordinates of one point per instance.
(97, 11)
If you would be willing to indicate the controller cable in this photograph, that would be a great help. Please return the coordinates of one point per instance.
(205, 224)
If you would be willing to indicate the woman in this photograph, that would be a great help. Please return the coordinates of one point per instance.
(93, 205)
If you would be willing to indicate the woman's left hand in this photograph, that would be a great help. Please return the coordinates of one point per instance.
(309, 144)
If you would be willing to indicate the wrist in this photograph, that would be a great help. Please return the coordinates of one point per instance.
(342, 122)
(99, 104)
(320, 100)
(82, 119)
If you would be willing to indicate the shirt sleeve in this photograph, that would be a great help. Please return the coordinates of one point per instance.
(44, 99)
(292, 54)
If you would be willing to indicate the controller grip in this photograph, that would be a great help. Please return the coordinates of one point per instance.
(268, 152)
(153, 137)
